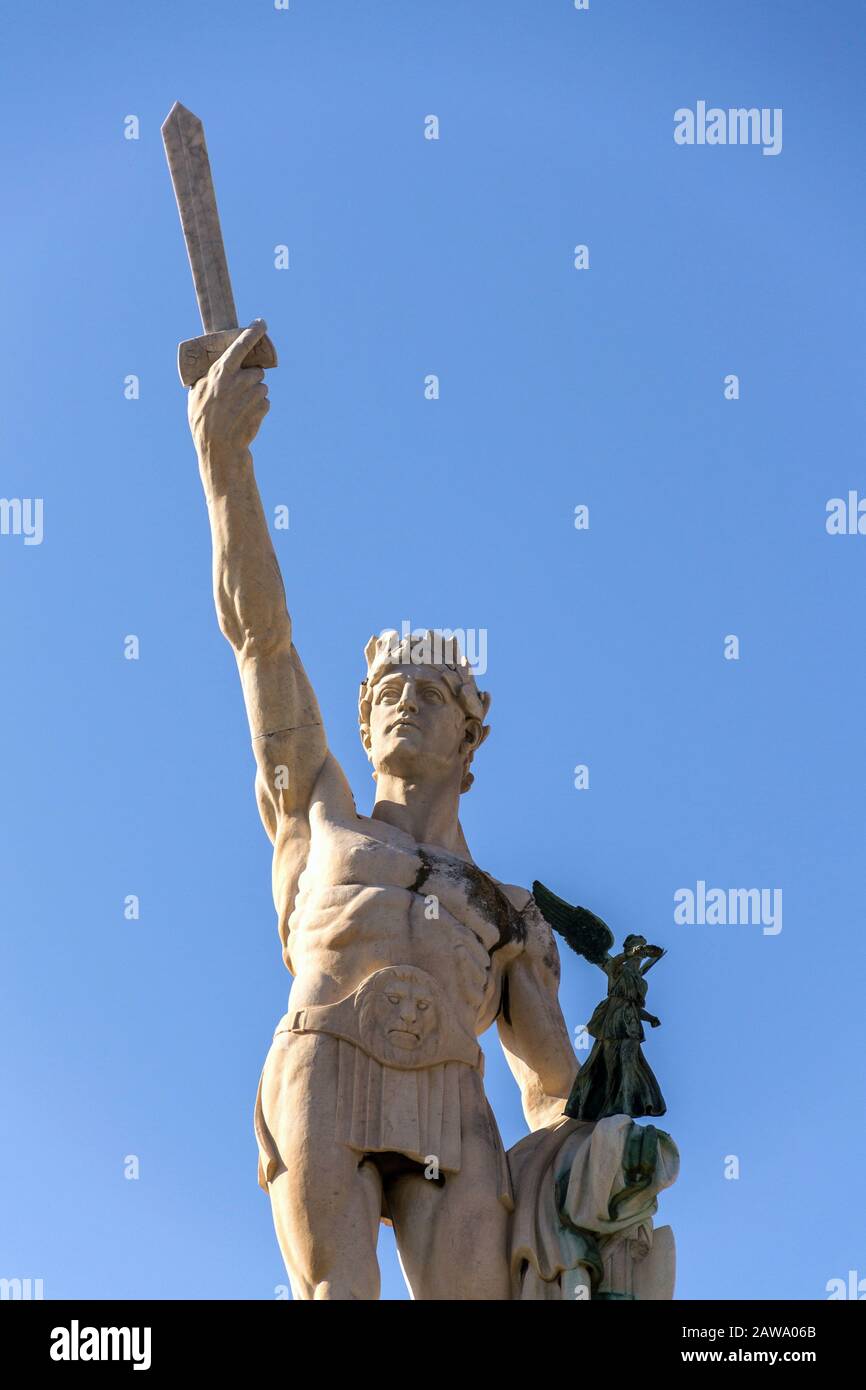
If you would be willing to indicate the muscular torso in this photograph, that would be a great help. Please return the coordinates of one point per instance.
(370, 897)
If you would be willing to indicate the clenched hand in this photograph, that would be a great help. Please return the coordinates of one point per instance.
(227, 406)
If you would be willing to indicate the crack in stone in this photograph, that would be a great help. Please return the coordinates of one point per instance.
(290, 729)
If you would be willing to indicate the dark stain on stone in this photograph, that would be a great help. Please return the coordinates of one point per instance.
(551, 960)
(489, 902)
(424, 871)
(504, 1001)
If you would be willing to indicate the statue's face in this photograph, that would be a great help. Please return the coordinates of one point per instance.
(405, 1014)
(399, 1015)
(417, 726)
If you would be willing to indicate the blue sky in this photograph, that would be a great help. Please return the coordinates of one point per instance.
(558, 387)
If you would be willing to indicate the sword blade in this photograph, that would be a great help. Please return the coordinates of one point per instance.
(186, 151)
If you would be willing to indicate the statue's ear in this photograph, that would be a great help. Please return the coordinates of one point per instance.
(473, 735)
(366, 740)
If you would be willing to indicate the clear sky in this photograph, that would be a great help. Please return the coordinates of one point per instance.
(558, 387)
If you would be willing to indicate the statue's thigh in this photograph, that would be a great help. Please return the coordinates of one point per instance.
(453, 1238)
(326, 1208)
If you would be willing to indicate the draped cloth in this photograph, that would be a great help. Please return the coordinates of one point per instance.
(416, 1113)
(574, 1186)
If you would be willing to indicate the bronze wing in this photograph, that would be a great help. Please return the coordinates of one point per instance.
(585, 933)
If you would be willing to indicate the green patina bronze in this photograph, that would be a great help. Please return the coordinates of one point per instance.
(616, 1078)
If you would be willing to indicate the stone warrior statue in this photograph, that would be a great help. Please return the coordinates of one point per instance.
(371, 1103)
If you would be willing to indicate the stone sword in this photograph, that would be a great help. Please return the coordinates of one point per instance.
(186, 151)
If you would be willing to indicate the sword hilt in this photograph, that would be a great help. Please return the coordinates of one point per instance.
(196, 356)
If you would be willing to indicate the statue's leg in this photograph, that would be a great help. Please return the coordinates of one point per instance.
(453, 1238)
(326, 1207)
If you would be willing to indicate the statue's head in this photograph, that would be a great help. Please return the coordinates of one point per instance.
(420, 711)
(633, 944)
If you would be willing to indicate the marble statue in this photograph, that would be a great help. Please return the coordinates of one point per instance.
(371, 1105)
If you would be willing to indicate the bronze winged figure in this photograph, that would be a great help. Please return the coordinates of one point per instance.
(616, 1078)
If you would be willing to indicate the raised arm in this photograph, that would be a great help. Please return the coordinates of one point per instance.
(226, 409)
(533, 1034)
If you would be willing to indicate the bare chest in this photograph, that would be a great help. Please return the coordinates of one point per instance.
(368, 900)
(368, 855)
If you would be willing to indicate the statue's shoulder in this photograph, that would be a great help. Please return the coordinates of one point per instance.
(519, 898)
(534, 924)
(538, 940)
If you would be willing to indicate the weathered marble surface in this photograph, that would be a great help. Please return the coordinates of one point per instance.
(189, 165)
(582, 1225)
(371, 1103)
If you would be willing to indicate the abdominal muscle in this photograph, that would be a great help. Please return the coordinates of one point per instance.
(340, 935)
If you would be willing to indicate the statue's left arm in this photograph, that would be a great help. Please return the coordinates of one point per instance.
(532, 1030)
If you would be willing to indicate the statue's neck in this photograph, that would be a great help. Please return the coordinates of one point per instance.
(429, 812)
